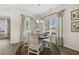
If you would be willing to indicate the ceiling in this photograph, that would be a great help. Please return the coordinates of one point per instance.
(35, 9)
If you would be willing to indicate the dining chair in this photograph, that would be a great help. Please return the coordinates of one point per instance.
(34, 45)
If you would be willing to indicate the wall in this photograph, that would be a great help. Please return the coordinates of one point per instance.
(9, 46)
(6, 48)
(15, 25)
(71, 39)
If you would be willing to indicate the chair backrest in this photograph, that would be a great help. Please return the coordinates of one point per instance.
(33, 39)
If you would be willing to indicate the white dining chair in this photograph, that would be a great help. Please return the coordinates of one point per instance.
(34, 45)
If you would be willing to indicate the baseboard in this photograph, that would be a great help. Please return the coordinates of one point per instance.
(71, 49)
(68, 48)
(16, 43)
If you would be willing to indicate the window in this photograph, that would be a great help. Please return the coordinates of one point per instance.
(4, 27)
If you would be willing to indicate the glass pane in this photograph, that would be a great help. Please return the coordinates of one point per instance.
(54, 28)
(26, 27)
(4, 27)
(47, 24)
(53, 23)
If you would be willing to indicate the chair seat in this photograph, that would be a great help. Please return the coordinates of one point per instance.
(47, 40)
(35, 46)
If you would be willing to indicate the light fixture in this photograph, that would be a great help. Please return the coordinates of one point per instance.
(37, 21)
(41, 21)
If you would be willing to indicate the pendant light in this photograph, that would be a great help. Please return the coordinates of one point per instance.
(39, 19)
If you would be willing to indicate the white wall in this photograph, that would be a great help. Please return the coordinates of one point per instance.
(8, 46)
(5, 44)
(15, 25)
(71, 39)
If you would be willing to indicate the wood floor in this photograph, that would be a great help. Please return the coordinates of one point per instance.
(67, 51)
(56, 50)
(24, 51)
(45, 51)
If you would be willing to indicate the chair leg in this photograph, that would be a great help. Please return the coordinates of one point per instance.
(41, 48)
(28, 51)
(38, 52)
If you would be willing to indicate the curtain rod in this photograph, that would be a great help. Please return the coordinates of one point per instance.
(54, 13)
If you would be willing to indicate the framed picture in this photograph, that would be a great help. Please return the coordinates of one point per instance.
(4, 27)
(75, 14)
(75, 26)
